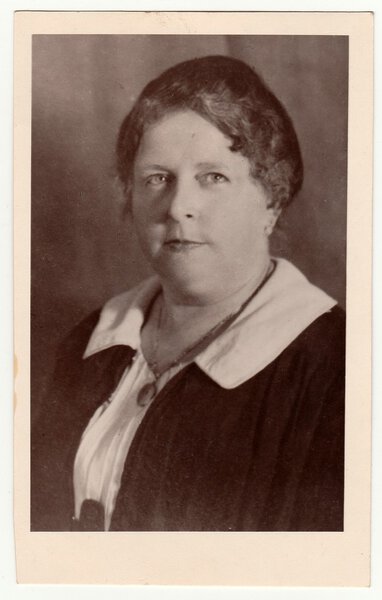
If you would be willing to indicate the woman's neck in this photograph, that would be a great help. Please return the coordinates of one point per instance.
(176, 324)
(179, 310)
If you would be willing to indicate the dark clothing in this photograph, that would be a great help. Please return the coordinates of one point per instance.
(267, 455)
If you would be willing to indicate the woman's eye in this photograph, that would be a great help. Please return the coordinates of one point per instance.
(157, 179)
(213, 178)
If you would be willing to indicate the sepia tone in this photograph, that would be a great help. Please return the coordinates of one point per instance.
(320, 60)
(83, 250)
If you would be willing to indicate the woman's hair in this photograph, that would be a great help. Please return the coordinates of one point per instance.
(230, 95)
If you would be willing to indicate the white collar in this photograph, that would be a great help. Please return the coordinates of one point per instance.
(282, 309)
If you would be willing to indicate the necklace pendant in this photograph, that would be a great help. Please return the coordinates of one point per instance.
(146, 394)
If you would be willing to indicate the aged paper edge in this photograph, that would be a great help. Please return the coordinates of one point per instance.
(263, 559)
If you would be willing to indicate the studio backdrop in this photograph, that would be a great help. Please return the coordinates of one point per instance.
(83, 249)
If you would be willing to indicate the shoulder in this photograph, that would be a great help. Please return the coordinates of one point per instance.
(114, 320)
(327, 332)
(74, 343)
(319, 351)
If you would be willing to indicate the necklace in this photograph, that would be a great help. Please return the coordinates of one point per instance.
(149, 390)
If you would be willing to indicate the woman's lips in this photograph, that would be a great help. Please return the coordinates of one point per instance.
(176, 245)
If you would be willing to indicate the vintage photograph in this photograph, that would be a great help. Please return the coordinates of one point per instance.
(193, 198)
(188, 282)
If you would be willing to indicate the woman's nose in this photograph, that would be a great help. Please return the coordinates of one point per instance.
(182, 201)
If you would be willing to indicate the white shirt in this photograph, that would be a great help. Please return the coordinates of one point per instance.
(107, 438)
(282, 309)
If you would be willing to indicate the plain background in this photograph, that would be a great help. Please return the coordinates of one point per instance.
(83, 251)
(7, 571)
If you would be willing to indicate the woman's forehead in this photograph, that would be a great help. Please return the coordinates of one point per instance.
(180, 122)
(186, 135)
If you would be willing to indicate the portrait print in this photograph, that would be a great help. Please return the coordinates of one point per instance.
(189, 314)
(234, 418)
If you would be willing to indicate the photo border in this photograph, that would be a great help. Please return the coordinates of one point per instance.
(255, 558)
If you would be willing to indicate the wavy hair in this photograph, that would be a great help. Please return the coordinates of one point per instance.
(233, 97)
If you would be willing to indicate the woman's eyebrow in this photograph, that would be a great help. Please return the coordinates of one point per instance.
(199, 165)
(212, 165)
(151, 166)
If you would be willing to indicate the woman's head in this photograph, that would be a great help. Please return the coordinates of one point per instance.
(232, 97)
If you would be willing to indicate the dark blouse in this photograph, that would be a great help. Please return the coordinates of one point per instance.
(267, 455)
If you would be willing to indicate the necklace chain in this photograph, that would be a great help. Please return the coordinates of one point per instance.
(206, 336)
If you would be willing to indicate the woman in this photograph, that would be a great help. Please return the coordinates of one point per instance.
(210, 397)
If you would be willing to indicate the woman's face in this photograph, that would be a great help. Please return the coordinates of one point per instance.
(199, 216)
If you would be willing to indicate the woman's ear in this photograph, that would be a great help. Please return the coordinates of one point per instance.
(273, 214)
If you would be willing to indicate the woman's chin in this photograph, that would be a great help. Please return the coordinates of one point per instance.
(197, 285)
(191, 283)
(187, 286)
